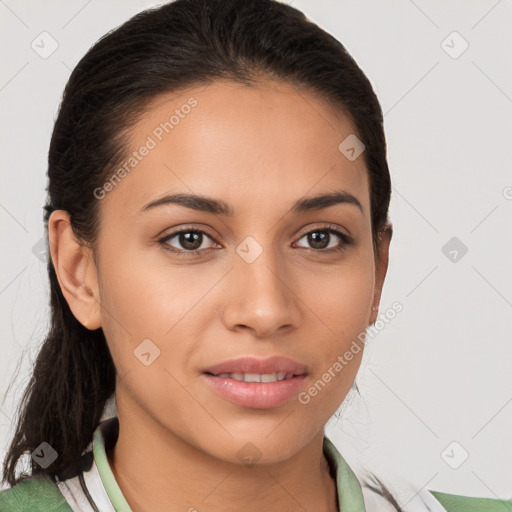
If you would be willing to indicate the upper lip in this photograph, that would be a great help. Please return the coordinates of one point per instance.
(250, 364)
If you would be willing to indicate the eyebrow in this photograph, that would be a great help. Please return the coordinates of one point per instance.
(219, 207)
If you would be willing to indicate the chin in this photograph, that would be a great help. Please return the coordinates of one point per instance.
(258, 447)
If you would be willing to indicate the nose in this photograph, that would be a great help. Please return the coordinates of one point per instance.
(261, 297)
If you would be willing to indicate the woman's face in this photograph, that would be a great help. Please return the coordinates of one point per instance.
(258, 286)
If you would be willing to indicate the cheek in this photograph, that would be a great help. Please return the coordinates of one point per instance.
(145, 313)
(343, 299)
(343, 306)
(147, 300)
(347, 300)
(341, 303)
(146, 295)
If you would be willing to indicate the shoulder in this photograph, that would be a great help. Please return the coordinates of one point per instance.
(37, 493)
(406, 496)
(459, 503)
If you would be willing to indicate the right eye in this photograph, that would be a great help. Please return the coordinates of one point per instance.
(190, 240)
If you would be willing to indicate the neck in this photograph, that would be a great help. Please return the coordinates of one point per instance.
(157, 471)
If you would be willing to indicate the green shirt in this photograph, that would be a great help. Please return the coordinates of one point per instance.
(95, 489)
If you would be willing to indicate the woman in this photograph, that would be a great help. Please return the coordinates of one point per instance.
(219, 238)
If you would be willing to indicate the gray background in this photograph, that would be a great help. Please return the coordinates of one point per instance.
(440, 371)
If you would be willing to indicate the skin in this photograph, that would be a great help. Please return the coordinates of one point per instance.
(259, 149)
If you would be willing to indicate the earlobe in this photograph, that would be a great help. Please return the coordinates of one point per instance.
(381, 268)
(75, 269)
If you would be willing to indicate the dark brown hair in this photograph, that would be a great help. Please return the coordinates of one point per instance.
(161, 50)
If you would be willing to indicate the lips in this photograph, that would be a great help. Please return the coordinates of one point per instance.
(252, 365)
(256, 383)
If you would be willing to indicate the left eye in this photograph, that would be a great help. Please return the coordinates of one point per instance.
(321, 237)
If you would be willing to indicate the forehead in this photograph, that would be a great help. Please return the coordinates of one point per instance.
(265, 144)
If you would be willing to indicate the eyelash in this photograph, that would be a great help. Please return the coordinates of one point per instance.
(346, 240)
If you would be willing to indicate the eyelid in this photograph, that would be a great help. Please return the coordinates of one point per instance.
(325, 226)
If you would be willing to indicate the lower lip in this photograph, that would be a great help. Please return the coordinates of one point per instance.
(257, 395)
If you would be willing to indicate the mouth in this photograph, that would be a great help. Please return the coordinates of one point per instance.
(277, 366)
(255, 377)
(256, 383)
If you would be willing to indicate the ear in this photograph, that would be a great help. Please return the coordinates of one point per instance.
(381, 268)
(75, 269)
